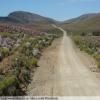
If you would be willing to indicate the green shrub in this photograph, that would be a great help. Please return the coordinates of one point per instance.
(20, 61)
(5, 34)
(33, 61)
(88, 50)
(11, 35)
(98, 64)
(97, 57)
(96, 33)
(23, 66)
(26, 76)
(7, 81)
(3, 52)
(24, 61)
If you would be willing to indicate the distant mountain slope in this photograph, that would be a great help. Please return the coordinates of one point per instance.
(81, 18)
(86, 22)
(7, 19)
(25, 18)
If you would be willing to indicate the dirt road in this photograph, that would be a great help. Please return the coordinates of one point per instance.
(64, 71)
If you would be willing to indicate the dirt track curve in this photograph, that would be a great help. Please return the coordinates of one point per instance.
(64, 71)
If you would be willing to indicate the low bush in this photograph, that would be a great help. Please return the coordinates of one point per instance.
(85, 44)
(5, 34)
(24, 61)
(96, 33)
(97, 57)
(23, 66)
(32, 61)
(88, 50)
(3, 52)
(98, 64)
(7, 82)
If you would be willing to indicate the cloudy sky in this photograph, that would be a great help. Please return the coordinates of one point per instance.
(57, 9)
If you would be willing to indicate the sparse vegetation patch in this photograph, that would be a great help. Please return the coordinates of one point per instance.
(89, 44)
(25, 50)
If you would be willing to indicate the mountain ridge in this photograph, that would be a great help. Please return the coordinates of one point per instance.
(84, 22)
(90, 21)
(82, 17)
(25, 17)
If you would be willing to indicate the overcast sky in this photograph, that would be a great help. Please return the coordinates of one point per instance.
(57, 9)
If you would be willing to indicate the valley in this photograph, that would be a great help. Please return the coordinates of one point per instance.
(40, 56)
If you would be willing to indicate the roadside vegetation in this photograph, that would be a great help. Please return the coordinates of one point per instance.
(19, 55)
(90, 43)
